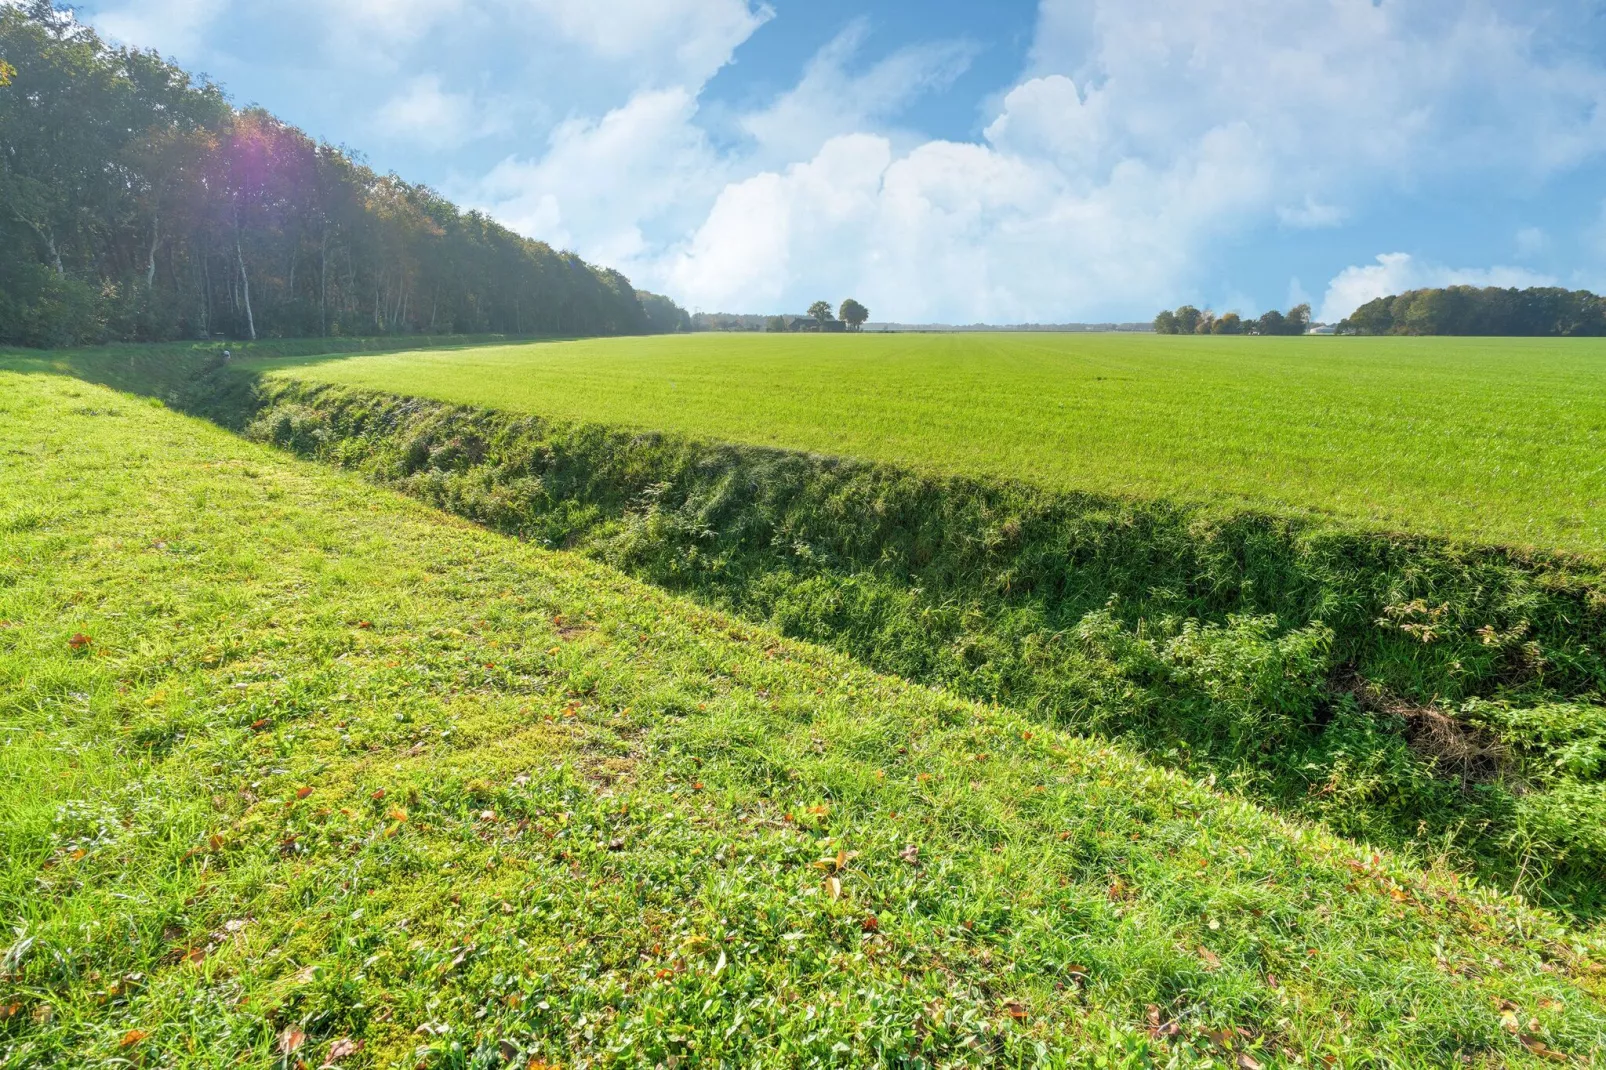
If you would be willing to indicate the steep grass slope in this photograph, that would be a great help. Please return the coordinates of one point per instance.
(298, 770)
(1443, 698)
(1491, 439)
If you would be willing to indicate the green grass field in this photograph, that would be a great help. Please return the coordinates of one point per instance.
(298, 770)
(1498, 440)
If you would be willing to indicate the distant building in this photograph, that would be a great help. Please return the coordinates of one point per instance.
(810, 325)
(1322, 328)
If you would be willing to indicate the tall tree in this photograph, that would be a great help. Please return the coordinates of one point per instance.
(853, 314)
(1272, 322)
(136, 204)
(821, 310)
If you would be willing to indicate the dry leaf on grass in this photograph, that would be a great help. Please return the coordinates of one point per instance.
(343, 1047)
(291, 1040)
(1541, 1049)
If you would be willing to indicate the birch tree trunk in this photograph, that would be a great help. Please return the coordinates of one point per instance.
(245, 285)
(150, 258)
(323, 285)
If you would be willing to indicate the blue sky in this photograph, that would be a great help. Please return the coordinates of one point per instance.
(1009, 161)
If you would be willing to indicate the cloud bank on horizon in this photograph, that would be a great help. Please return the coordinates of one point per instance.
(1126, 157)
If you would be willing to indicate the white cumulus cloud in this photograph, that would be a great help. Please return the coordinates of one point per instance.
(172, 27)
(831, 100)
(426, 113)
(1139, 140)
(613, 187)
(1144, 135)
(682, 41)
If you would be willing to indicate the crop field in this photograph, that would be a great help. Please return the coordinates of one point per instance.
(1495, 440)
(297, 770)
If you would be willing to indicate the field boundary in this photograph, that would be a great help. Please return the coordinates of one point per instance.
(316, 773)
(1404, 689)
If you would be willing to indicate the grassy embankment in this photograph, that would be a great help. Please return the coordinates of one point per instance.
(294, 763)
(1492, 439)
(1439, 698)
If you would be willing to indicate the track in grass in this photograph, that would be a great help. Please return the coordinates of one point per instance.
(1489, 439)
(328, 766)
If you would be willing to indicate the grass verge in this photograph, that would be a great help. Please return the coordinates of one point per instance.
(299, 770)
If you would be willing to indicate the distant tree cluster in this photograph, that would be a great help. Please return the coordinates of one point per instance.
(728, 321)
(137, 204)
(1190, 320)
(663, 315)
(851, 316)
(1469, 310)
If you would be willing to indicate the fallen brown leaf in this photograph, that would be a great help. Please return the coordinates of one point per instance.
(343, 1047)
(290, 1040)
(1541, 1049)
(132, 1037)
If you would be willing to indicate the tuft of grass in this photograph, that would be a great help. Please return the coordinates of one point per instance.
(294, 764)
(1494, 440)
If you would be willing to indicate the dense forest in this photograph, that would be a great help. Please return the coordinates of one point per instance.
(1468, 310)
(137, 205)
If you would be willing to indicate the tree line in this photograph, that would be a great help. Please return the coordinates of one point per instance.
(136, 204)
(1470, 310)
(1190, 320)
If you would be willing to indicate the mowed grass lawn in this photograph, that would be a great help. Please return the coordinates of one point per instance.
(1498, 440)
(296, 771)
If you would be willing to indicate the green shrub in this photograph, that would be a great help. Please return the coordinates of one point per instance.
(40, 308)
